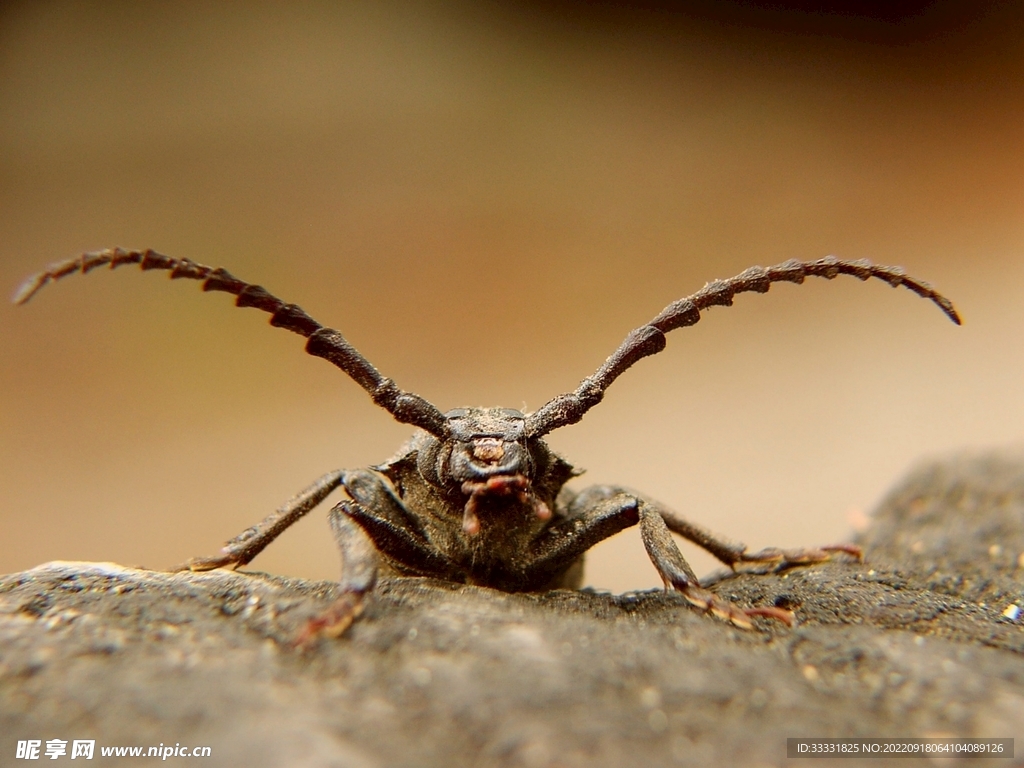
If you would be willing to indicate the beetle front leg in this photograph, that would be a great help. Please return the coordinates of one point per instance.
(250, 542)
(359, 566)
(676, 574)
(601, 511)
(590, 518)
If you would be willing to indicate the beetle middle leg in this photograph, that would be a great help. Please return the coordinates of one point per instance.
(735, 554)
(250, 542)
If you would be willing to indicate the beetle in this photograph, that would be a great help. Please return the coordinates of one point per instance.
(476, 496)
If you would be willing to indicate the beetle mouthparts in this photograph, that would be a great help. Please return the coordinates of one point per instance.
(499, 485)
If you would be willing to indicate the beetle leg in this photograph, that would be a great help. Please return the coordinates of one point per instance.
(735, 554)
(678, 575)
(374, 492)
(392, 527)
(359, 565)
(592, 518)
(772, 559)
(407, 553)
(593, 509)
(250, 542)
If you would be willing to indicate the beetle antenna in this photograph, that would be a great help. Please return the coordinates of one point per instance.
(322, 342)
(649, 339)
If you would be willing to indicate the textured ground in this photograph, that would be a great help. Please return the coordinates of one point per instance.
(914, 642)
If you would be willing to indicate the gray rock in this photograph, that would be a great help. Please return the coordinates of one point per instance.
(920, 640)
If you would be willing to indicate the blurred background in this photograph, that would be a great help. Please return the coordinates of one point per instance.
(485, 197)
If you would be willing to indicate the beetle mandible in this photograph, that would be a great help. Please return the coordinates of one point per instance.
(476, 496)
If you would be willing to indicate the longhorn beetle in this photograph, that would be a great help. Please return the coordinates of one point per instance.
(476, 496)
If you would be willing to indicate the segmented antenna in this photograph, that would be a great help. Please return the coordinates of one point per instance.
(323, 342)
(649, 339)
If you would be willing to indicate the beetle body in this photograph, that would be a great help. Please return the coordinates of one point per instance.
(486, 500)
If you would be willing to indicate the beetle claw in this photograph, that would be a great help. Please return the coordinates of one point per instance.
(333, 622)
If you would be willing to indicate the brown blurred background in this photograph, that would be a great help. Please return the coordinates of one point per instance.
(485, 197)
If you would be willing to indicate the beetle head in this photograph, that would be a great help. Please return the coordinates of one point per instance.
(485, 455)
(486, 443)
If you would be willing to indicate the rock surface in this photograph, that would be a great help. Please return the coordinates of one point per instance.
(920, 640)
